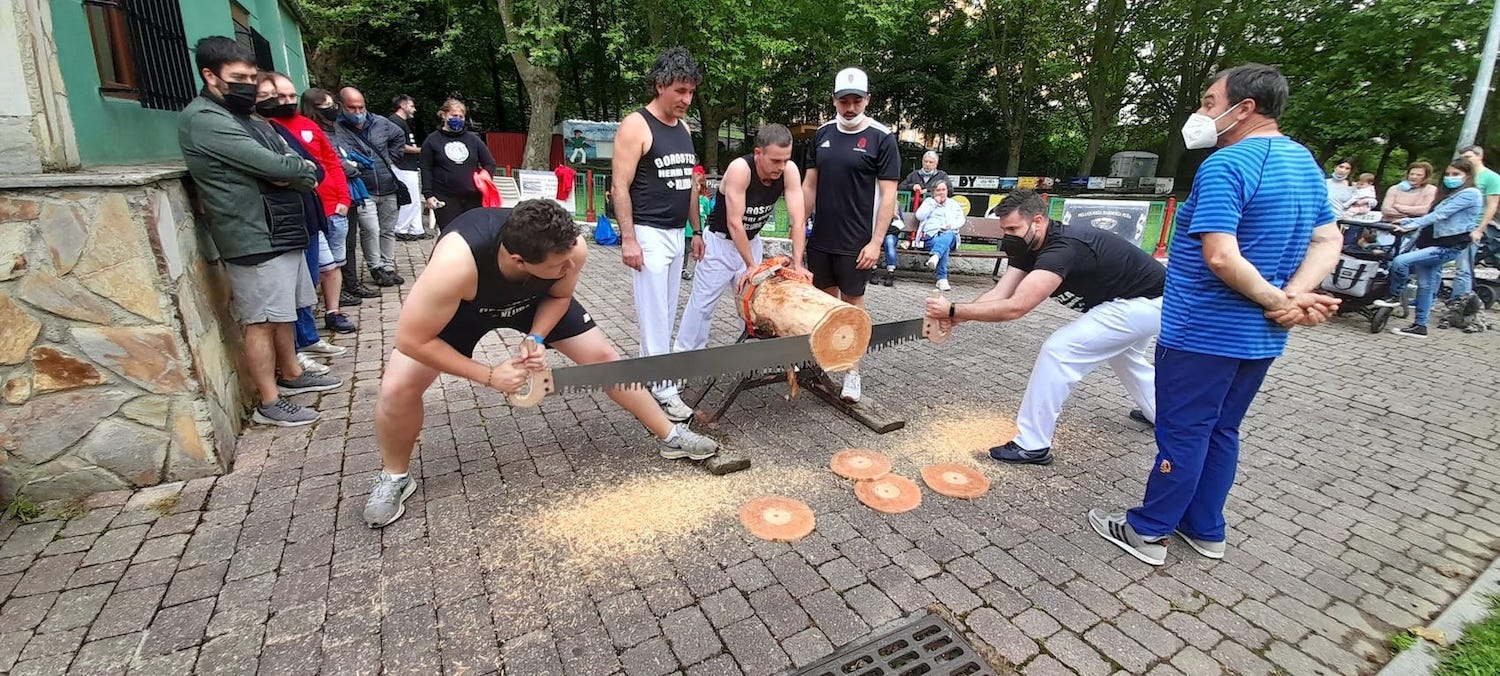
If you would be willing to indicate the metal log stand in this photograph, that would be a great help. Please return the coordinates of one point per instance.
(810, 378)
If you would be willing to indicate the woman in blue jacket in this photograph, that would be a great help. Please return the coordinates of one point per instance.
(1444, 234)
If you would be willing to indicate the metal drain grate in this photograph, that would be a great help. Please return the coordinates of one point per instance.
(925, 645)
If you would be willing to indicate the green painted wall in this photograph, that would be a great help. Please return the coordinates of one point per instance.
(119, 131)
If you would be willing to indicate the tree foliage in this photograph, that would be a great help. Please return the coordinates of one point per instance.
(999, 86)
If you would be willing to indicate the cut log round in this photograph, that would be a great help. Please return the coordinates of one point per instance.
(891, 494)
(860, 464)
(778, 305)
(955, 481)
(777, 518)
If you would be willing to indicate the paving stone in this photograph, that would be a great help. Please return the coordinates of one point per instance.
(107, 655)
(872, 605)
(917, 564)
(628, 619)
(806, 647)
(1036, 624)
(196, 583)
(116, 544)
(901, 589)
(834, 618)
(651, 658)
(48, 574)
(798, 577)
(690, 635)
(952, 594)
(723, 665)
(29, 538)
(1119, 648)
(180, 662)
(178, 627)
(49, 645)
(1192, 629)
(409, 641)
(233, 653)
(841, 574)
(727, 607)
(1076, 654)
(754, 649)
(779, 611)
(466, 638)
(751, 575)
(1001, 635)
(76, 608)
(20, 614)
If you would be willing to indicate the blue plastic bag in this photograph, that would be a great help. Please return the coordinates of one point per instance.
(604, 232)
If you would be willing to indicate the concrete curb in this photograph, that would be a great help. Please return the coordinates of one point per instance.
(1470, 607)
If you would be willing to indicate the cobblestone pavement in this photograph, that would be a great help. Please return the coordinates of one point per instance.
(1367, 500)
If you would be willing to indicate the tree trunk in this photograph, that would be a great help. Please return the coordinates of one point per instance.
(1385, 156)
(1097, 129)
(713, 117)
(542, 85)
(838, 331)
(1171, 153)
(497, 86)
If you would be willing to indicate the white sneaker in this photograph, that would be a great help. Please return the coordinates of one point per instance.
(309, 365)
(932, 261)
(942, 285)
(851, 387)
(325, 348)
(688, 444)
(676, 410)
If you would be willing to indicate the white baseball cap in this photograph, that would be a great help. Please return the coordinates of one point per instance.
(851, 81)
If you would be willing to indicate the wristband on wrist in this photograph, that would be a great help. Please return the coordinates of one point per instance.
(952, 309)
(539, 340)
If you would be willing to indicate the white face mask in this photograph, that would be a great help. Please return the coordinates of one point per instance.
(851, 123)
(1201, 131)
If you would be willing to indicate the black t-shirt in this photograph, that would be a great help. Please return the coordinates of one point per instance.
(449, 161)
(915, 178)
(1096, 266)
(850, 167)
(407, 162)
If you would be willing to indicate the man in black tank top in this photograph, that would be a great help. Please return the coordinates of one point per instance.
(654, 199)
(498, 268)
(732, 247)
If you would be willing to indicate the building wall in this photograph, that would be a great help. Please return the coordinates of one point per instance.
(118, 357)
(112, 130)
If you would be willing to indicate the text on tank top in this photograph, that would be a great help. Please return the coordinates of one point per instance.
(760, 203)
(661, 194)
(496, 299)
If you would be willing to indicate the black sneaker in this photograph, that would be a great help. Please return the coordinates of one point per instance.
(1140, 417)
(347, 299)
(890, 278)
(1015, 455)
(338, 323)
(1415, 330)
(1388, 301)
(363, 291)
(391, 274)
(380, 278)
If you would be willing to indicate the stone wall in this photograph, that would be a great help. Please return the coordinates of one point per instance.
(117, 355)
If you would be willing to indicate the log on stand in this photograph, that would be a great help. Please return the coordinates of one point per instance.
(776, 303)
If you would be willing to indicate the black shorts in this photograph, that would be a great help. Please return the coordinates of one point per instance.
(831, 269)
(464, 335)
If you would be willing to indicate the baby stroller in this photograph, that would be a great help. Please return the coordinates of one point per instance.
(1360, 278)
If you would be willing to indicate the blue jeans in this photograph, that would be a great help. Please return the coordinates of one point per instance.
(305, 329)
(1427, 265)
(890, 252)
(1200, 401)
(942, 244)
(1463, 273)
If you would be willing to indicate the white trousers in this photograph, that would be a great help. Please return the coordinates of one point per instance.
(657, 284)
(1116, 333)
(712, 276)
(409, 219)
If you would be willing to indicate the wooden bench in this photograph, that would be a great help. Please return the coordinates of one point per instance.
(976, 230)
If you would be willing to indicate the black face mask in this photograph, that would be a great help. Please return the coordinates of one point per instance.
(272, 108)
(241, 98)
(329, 114)
(1016, 245)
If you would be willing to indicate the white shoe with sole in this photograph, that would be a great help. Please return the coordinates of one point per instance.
(851, 391)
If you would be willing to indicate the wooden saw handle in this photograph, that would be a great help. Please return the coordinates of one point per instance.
(540, 384)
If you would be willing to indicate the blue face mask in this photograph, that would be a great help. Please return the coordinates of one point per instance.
(456, 123)
(1453, 182)
(356, 119)
(1405, 186)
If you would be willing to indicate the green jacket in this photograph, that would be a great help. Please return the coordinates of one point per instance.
(228, 166)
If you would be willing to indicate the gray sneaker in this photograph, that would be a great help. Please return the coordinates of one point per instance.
(1208, 548)
(688, 444)
(1116, 529)
(307, 382)
(386, 499)
(284, 413)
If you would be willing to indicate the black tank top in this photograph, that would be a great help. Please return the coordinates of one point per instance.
(760, 203)
(661, 192)
(496, 298)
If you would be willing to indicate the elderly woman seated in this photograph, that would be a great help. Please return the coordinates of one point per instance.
(940, 219)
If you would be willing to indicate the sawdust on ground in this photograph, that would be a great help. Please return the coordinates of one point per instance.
(957, 434)
(618, 521)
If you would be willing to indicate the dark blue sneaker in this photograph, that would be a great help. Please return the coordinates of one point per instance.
(1015, 455)
(1140, 417)
(338, 323)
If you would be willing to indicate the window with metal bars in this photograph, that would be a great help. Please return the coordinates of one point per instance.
(142, 51)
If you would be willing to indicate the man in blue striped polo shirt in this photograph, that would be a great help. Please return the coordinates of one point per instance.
(1254, 239)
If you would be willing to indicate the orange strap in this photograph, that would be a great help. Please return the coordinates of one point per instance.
(775, 266)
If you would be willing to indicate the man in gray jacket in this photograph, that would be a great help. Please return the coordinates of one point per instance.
(250, 182)
(383, 142)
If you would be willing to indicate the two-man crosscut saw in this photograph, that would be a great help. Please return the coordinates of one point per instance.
(695, 367)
